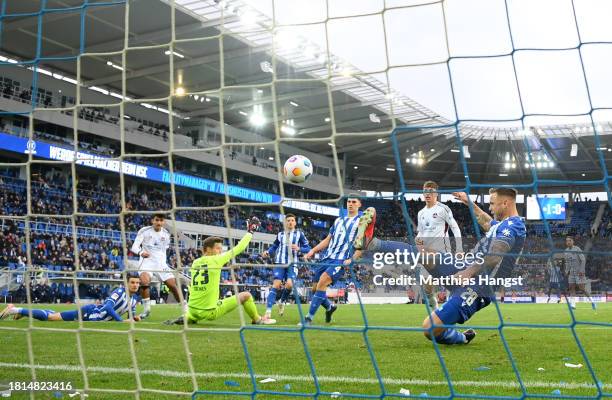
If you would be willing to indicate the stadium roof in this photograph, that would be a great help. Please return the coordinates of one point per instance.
(362, 104)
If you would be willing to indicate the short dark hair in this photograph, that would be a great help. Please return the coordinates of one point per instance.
(158, 215)
(210, 242)
(431, 184)
(355, 196)
(505, 191)
(132, 275)
(290, 216)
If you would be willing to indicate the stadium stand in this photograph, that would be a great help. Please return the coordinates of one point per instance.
(99, 237)
(100, 249)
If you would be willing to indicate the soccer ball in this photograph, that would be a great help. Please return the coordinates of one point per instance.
(297, 169)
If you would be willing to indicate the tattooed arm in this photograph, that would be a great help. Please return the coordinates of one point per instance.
(491, 260)
(484, 219)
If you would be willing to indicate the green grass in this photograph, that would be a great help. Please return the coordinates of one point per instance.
(341, 359)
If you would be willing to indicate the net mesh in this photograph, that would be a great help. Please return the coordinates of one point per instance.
(335, 76)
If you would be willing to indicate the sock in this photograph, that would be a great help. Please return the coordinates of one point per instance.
(588, 293)
(146, 303)
(433, 302)
(285, 295)
(318, 298)
(41, 315)
(451, 336)
(251, 309)
(374, 244)
(271, 299)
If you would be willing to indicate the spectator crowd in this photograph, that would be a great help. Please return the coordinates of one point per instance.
(101, 256)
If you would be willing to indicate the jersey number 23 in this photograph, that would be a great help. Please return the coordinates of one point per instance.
(202, 274)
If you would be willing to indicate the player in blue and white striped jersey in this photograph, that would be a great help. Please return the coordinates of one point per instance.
(556, 279)
(120, 301)
(338, 246)
(474, 282)
(288, 245)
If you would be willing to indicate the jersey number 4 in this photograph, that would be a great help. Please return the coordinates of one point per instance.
(203, 280)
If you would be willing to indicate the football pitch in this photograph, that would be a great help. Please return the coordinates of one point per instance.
(339, 352)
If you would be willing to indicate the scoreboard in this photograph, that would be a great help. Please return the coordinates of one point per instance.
(551, 208)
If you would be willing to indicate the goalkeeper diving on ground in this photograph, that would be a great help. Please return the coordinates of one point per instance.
(204, 303)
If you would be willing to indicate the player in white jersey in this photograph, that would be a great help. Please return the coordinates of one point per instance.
(151, 244)
(434, 222)
(575, 264)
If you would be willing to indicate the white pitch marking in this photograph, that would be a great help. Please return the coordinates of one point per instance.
(307, 378)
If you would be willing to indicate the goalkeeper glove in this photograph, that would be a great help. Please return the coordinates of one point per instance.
(253, 224)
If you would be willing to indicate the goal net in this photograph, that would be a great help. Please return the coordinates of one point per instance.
(113, 111)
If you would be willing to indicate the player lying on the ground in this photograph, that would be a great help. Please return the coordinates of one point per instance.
(575, 264)
(284, 250)
(338, 246)
(204, 303)
(500, 248)
(151, 244)
(433, 223)
(120, 301)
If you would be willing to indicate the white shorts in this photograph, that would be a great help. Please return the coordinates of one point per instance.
(578, 278)
(162, 271)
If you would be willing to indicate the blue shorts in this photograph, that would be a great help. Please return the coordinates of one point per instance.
(461, 306)
(334, 268)
(86, 311)
(284, 274)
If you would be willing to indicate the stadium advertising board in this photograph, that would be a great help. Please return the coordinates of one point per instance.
(53, 152)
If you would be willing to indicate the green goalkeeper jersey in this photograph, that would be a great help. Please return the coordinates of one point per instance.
(206, 275)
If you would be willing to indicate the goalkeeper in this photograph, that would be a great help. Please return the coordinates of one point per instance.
(204, 303)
